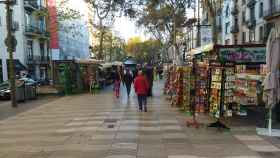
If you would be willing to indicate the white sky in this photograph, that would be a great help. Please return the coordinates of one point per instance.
(126, 28)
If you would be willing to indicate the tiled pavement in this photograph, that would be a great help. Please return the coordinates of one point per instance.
(101, 126)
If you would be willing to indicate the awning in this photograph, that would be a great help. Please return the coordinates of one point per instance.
(130, 62)
(202, 49)
(106, 65)
(88, 61)
(117, 63)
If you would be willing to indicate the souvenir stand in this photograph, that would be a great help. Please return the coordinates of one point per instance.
(227, 83)
(249, 75)
(221, 91)
(199, 88)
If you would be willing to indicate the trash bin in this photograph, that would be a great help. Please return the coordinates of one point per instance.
(30, 91)
(20, 93)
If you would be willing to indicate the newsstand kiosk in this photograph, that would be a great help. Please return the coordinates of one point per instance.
(222, 76)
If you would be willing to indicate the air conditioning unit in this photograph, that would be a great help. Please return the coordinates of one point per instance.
(15, 26)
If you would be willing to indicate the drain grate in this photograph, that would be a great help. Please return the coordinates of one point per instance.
(111, 126)
(110, 120)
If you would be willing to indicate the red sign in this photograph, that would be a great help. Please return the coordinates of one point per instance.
(53, 28)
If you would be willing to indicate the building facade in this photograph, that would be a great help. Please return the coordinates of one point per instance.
(243, 22)
(30, 30)
(70, 38)
(239, 22)
(272, 14)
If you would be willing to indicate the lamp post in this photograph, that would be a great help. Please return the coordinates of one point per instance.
(11, 43)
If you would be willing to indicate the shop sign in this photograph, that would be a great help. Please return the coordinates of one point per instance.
(243, 55)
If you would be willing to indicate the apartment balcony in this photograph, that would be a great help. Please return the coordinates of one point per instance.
(204, 22)
(251, 24)
(251, 3)
(272, 12)
(234, 11)
(31, 30)
(234, 29)
(37, 60)
(31, 5)
(219, 27)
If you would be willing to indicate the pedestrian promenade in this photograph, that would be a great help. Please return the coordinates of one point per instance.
(101, 126)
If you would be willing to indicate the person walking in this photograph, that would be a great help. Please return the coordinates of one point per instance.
(149, 73)
(141, 87)
(128, 79)
(117, 82)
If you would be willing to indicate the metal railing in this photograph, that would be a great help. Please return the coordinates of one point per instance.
(251, 23)
(31, 4)
(251, 3)
(37, 30)
(37, 59)
(31, 28)
(234, 10)
(234, 29)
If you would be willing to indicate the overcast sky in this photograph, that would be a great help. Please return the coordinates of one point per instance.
(126, 28)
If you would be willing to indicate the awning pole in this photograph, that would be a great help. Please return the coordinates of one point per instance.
(270, 122)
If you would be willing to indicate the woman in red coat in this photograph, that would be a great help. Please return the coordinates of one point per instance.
(141, 87)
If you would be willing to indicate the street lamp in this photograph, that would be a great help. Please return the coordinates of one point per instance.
(11, 43)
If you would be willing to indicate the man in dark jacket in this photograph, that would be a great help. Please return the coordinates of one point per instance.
(128, 79)
(149, 72)
(141, 87)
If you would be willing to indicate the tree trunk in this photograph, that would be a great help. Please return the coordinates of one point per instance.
(100, 54)
(214, 30)
(111, 47)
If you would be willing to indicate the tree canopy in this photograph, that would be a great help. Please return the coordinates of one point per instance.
(143, 51)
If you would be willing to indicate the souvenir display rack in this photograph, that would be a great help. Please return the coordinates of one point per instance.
(188, 83)
(179, 88)
(201, 73)
(169, 87)
(248, 87)
(221, 92)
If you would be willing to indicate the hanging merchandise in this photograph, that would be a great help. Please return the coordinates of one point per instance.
(222, 90)
(170, 85)
(201, 74)
(178, 87)
(188, 84)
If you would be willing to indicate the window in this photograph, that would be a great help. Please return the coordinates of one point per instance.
(42, 50)
(261, 10)
(252, 13)
(29, 49)
(235, 39)
(227, 42)
(41, 23)
(261, 34)
(243, 37)
(252, 36)
(243, 17)
(227, 27)
(227, 11)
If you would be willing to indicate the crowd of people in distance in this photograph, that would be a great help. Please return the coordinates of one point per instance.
(141, 77)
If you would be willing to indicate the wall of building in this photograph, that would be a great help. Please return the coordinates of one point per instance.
(74, 41)
(18, 16)
(227, 22)
(22, 38)
(243, 34)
